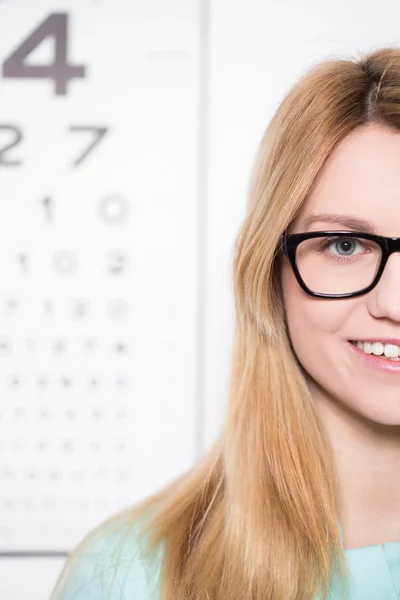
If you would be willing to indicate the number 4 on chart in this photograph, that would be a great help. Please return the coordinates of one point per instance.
(56, 27)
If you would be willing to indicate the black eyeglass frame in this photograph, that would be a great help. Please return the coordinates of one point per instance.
(290, 242)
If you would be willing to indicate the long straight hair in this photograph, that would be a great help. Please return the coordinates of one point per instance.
(257, 517)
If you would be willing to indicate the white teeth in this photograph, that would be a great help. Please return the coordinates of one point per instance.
(391, 351)
(377, 348)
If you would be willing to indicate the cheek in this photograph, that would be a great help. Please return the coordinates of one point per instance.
(312, 324)
(317, 329)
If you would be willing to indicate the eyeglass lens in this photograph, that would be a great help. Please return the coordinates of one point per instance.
(338, 265)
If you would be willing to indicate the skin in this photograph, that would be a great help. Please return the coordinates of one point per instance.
(359, 405)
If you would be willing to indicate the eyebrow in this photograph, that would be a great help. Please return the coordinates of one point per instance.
(350, 221)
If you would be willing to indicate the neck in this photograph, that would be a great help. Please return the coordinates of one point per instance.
(367, 456)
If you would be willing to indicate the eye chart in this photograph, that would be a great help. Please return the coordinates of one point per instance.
(99, 246)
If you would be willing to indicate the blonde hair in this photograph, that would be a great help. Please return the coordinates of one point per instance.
(256, 517)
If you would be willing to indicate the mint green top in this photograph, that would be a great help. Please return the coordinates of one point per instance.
(100, 574)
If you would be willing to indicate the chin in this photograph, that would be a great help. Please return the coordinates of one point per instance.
(386, 414)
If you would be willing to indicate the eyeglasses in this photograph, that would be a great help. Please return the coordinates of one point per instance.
(338, 264)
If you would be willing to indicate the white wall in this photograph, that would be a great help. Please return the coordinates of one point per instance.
(131, 246)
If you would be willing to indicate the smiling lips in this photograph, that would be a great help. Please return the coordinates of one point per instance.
(390, 365)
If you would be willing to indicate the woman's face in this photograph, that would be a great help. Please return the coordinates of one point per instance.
(361, 180)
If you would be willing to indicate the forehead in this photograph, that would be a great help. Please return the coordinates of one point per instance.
(361, 178)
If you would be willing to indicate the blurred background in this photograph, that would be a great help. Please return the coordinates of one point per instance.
(128, 129)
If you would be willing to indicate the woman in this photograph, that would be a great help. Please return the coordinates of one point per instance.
(298, 498)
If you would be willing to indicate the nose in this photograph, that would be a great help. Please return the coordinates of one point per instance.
(384, 299)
